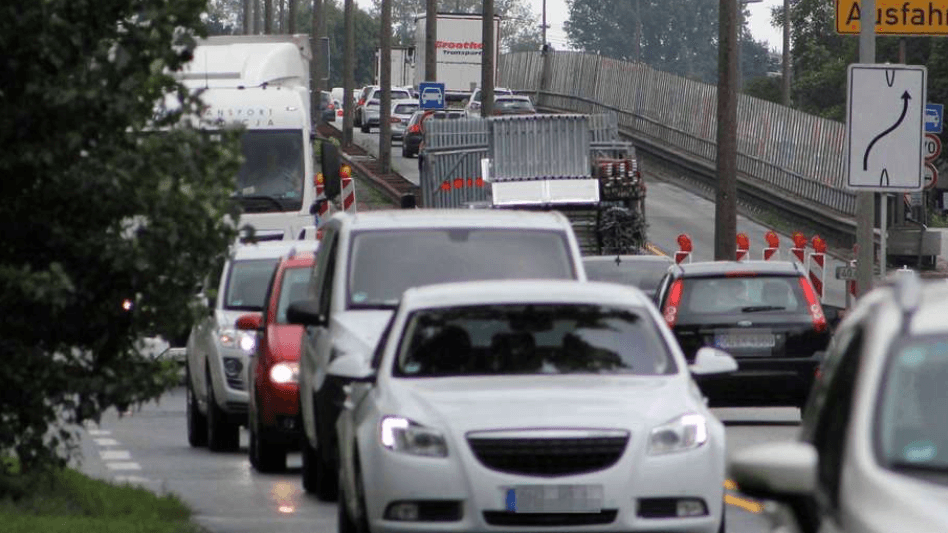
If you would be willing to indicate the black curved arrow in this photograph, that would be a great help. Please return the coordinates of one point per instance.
(905, 98)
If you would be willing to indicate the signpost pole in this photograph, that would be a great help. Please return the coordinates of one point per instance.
(865, 201)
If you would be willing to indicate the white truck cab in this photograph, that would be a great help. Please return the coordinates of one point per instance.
(262, 82)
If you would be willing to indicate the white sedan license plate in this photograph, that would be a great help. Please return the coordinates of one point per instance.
(554, 499)
(744, 340)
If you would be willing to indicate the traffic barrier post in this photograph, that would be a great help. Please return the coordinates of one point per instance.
(743, 246)
(817, 265)
(348, 196)
(684, 249)
(772, 251)
(798, 252)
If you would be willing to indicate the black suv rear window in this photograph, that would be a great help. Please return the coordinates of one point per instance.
(730, 295)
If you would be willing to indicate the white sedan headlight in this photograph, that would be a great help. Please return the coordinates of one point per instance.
(403, 435)
(684, 433)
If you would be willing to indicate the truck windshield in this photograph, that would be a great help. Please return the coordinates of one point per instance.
(271, 178)
(385, 263)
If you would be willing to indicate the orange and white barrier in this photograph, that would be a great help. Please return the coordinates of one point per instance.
(684, 251)
(348, 195)
(743, 246)
(798, 252)
(817, 265)
(772, 251)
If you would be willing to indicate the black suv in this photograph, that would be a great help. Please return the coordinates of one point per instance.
(764, 313)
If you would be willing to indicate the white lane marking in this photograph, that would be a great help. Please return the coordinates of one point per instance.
(99, 432)
(132, 480)
(115, 455)
(106, 442)
(123, 465)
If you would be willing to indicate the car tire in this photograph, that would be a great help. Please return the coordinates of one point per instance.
(310, 455)
(345, 522)
(722, 528)
(366, 128)
(327, 480)
(405, 151)
(362, 522)
(197, 422)
(357, 119)
(266, 456)
(222, 436)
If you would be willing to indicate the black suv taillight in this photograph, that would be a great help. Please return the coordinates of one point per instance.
(813, 305)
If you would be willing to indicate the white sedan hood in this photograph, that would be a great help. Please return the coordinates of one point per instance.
(520, 402)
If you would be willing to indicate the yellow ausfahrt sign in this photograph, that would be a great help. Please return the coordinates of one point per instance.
(895, 17)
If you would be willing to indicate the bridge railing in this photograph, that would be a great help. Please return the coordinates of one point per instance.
(778, 147)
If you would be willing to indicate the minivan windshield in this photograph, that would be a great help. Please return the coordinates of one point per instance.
(271, 178)
(515, 339)
(384, 263)
(247, 284)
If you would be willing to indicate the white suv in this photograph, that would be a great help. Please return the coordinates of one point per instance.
(473, 105)
(217, 353)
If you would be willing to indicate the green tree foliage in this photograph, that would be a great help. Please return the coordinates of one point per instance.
(677, 36)
(519, 25)
(108, 224)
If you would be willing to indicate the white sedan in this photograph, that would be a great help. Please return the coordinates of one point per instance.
(504, 405)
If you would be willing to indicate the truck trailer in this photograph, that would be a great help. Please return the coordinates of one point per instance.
(459, 48)
(403, 66)
(262, 83)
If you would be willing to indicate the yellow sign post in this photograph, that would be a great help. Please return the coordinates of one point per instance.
(895, 17)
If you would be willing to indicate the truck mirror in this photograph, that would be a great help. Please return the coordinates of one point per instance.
(330, 163)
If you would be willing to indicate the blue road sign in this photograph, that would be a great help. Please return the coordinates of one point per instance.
(934, 117)
(431, 95)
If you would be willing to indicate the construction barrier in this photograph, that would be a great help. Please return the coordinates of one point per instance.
(684, 251)
(798, 252)
(817, 265)
(743, 246)
(772, 251)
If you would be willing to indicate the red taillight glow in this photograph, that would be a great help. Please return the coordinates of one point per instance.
(393, 120)
(813, 305)
(361, 101)
(740, 274)
(415, 129)
(671, 305)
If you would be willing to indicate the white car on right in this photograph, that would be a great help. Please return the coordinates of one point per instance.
(872, 454)
(526, 405)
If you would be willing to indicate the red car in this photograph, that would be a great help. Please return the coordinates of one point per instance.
(274, 418)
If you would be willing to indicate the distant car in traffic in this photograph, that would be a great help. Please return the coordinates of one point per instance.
(764, 313)
(327, 107)
(415, 132)
(513, 104)
(528, 405)
(643, 271)
(472, 106)
(273, 378)
(218, 353)
(872, 452)
(402, 111)
(368, 105)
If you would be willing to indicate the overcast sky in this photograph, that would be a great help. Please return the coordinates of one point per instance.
(557, 13)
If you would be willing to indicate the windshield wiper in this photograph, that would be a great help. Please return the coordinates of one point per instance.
(271, 199)
(383, 306)
(758, 308)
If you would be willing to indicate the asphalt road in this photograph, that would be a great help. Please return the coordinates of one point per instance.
(149, 447)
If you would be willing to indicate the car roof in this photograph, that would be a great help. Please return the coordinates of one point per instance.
(452, 218)
(628, 259)
(272, 249)
(522, 292)
(400, 101)
(723, 268)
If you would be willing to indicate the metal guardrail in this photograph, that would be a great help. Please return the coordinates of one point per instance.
(779, 148)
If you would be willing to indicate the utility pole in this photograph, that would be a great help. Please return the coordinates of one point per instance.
(248, 27)
(725, 210)
(268, 16)
(785, 80)
(316, 65)
(866, 201)
(385, 110)
(543, 27)
(487, 60)
(291, 23)
(431, 36)
(348, 74)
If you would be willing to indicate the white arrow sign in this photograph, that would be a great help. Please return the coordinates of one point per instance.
(885, 126)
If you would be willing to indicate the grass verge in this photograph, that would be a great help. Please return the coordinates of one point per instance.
(67, 501)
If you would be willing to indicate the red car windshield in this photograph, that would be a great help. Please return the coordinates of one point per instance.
(295, 287)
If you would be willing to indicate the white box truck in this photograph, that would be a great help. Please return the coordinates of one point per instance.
(262, 82)
(403, 66)
(459, 47)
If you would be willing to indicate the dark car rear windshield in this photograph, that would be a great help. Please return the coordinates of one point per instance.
(385, 263)
(516, 339)
(702, 297)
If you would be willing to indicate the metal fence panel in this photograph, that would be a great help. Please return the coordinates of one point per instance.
(453, 152)
(550, 146)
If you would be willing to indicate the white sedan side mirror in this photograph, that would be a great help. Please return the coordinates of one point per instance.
(710, 360)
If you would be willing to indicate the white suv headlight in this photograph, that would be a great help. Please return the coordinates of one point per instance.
(684, 433)
(403, 435)
(231, 338)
